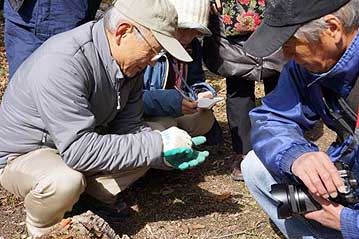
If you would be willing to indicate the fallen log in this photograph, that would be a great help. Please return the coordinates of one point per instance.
(84, 226)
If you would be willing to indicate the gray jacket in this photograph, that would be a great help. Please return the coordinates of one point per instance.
(70, 94)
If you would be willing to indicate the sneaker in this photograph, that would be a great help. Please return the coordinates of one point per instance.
(36, 232)
(236, 173)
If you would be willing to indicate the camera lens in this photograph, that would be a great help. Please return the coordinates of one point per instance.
(280, 192)
(294, 199)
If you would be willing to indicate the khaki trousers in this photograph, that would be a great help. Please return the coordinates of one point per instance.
(50, 188)
(195, 124)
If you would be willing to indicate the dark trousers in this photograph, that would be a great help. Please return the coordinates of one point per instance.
(240, 100)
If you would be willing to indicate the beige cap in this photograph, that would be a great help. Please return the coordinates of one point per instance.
(160, 17)
(193, 14)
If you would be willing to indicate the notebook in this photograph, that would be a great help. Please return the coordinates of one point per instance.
(207, 103)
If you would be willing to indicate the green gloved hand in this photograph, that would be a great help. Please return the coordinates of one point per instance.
(185, 158)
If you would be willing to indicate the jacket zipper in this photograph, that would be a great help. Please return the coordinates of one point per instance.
(118, 95)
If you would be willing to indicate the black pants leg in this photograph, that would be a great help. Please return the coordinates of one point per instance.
(240, 100)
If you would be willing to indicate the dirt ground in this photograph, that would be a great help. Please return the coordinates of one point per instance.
(199, 203)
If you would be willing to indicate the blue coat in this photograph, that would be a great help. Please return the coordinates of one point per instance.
(159, 101)
(294, 107)
(29, 23)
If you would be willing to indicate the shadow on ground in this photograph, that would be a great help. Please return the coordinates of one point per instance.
(176, 195)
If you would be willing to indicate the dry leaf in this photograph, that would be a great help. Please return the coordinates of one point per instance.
(185, 229)
(198, 226)
(223, 196)
(65, 222)
(136, 208)
(149, 229)
(176, 200)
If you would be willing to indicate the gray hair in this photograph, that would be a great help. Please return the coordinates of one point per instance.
(112, 18)
(348, 15)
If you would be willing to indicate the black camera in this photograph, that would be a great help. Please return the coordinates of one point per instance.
(295, 198)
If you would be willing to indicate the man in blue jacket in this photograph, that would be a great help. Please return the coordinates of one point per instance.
(321, 39)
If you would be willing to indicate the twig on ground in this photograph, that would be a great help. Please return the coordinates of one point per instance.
(236, 233)
(247, 232)
(19, 204)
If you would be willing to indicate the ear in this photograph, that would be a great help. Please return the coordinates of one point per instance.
(335, 28)
(122, 30)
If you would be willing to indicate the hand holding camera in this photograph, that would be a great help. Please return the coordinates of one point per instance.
(295, 199)
(318, 174)
(329, 215)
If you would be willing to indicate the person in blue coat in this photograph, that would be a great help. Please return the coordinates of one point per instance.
(29, 23)
(164, 105)
(321, 39)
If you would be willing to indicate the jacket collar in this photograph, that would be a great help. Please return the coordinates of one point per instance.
(101, 44)
(343, 74)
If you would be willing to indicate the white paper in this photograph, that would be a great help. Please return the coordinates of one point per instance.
(207, 103)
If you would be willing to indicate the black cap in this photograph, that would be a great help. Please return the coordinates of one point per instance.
(281, 20)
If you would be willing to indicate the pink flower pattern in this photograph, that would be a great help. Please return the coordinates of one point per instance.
(244, 2)
(242, 16)
(227, 19)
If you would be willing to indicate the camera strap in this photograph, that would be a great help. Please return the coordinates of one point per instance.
(356, 131)
(344, 112)
(353, 104)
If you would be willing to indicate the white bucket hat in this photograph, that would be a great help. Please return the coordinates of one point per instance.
(160, 17)
(193, 14)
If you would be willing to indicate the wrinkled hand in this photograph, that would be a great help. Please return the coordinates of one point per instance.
(177, 149)
(319, 174)
(216, 6)
(329, 215)
(189, 107)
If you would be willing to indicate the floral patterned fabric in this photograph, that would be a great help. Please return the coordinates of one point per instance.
(242, 16)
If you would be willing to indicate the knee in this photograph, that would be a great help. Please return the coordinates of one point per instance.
(256, 176)
(69, 187)
(196, 124)
(57, 194)
(252, 169)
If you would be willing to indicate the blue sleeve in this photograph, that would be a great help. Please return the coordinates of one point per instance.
(154, 76)
(349, 221)
(195, 71)
(278, 125)
(158, 101)
(162, 103)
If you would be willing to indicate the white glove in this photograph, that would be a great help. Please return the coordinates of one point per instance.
(177, 149)
(174, 138)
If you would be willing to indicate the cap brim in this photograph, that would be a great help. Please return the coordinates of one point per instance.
(197, 26)
(267, 39)
(172, 45)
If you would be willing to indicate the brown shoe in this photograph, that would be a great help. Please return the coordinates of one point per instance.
(236, 167)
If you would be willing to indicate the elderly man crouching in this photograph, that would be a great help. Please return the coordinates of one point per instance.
(321, 38)
(71, 118)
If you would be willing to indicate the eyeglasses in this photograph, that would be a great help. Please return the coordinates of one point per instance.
(157, 55)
